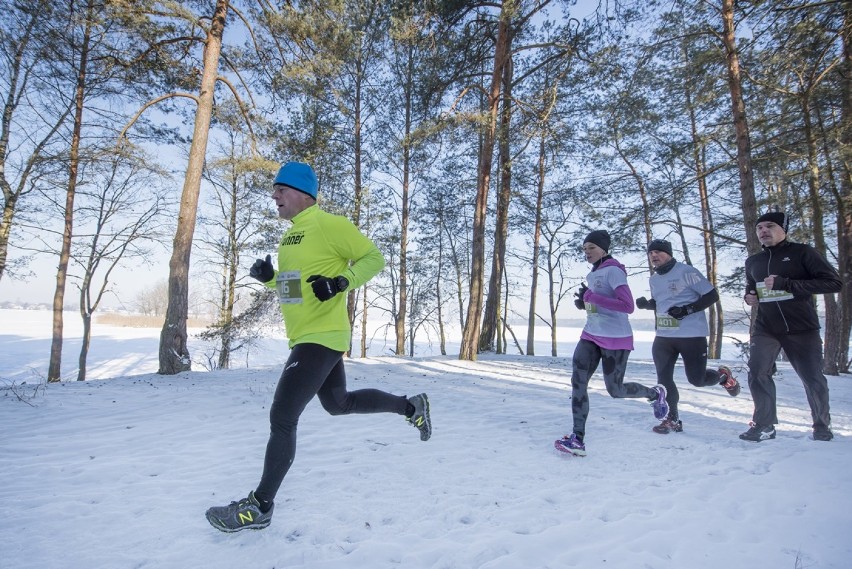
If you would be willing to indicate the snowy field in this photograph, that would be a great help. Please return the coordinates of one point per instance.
(117, 472)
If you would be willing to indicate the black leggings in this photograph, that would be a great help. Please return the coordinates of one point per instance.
(694, 353)
(587, 357)
(311, 370)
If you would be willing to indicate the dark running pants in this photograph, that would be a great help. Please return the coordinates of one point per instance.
(587, 357)
(804, 350)
(665, 352)
(311, 370)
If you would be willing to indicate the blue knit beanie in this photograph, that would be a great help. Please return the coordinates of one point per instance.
(299, 176)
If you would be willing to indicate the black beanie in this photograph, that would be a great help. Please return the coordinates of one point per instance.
(660, 245)
(600, 238)
(777, 217)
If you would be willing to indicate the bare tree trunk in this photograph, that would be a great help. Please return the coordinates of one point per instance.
(459, 282)
(749, 205)
(84, 349)
(470, 334)
(10, 205)
(715, 314)
(406, 209)
(86, 311)
(358, 182)
(711, 262)
(539, 199)
(226, 316)
(229, 278)
(832, 316)
(364, 322)
(844, 237)
(501, 227)
(442, 336)
(411, 342)
(55, 364)
(174, 353)
(503, 324)
(551, 293)
(841, 354)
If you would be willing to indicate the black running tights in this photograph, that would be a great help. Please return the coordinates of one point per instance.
(693, 352)
(311, 370)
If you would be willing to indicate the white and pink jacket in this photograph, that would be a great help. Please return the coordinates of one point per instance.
(608, 302)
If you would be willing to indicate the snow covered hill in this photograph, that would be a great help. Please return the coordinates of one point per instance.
(117, 473)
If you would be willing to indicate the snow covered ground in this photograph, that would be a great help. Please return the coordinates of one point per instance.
(117, 473)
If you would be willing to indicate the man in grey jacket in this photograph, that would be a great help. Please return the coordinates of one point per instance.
(680, 295)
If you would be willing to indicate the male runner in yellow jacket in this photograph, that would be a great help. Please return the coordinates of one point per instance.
(314, 267)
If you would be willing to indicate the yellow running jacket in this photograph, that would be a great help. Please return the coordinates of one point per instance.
(320, 243)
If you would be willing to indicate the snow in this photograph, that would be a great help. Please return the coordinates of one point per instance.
(118, 472)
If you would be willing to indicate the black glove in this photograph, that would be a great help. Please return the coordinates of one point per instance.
(578, 302)
(262, 270)
(646, 304)
(681, 312)
(326, 287)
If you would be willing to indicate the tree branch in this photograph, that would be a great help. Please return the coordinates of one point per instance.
(242, 108)
(151, 103)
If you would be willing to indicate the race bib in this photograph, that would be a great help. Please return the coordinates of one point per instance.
(591, 309)
(665, 321)
(766, 295)
(289, 287)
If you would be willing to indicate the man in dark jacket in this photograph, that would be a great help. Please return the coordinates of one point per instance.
(781, 281)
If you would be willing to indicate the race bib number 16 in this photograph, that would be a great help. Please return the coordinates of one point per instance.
(289, 287)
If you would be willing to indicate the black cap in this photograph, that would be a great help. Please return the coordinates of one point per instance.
(777, 217)
(660, 245)
(600, 238)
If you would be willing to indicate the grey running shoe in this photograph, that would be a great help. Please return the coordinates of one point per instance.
(757, 433)
(823, 434)
(661, 407)
(241, 515)
(421, 418)
(669, 425)
(728, 381)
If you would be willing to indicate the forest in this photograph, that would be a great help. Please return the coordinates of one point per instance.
(476, 142)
